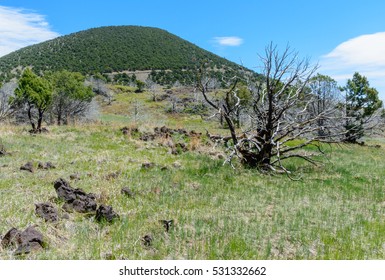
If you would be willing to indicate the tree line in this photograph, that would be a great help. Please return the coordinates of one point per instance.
(288, 111)
(62, 95)
(107, 50)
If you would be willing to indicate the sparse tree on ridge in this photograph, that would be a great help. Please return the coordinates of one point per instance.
(139, 86)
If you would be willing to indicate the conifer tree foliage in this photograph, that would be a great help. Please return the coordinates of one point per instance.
(34, 95)
(62, 95)
(361, 104)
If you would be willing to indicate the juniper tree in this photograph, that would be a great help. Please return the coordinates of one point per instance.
(34, 94)
(361, 103)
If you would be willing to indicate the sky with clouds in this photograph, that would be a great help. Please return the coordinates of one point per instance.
(342, 36)
(20, 28)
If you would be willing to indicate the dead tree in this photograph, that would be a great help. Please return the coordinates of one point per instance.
(100, 87)
(6, 108)
(281, 125)
(325, 94)
(226, 108)
(153, 88)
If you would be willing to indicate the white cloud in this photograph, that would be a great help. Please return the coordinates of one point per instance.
(20, 28)
(228, 41)
(364, 54)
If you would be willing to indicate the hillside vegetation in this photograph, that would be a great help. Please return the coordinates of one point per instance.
(111, 49)
(123, 168)
(335, 212)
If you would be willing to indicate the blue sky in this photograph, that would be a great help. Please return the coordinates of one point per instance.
(342, 36)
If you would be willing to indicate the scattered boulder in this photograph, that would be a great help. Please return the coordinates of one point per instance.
(112, 175)
(127, 191)
(147, 137)
(81, 206)
(193, 133)
(148, 165)
(109, 256)
(125, 130)
(47, 165)
(129, 131)
(76, 199)
(165, 130)
(163, 133)
(147, 240)
(26, 241)
(46, 211)
(75, 176)
(167, 224)
(182, 131)
(11, 238)
(64, 190)
(84, 203)
(105, 213)
(28, 167)
(30, 240)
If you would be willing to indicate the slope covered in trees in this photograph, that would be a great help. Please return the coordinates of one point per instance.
(111, 49)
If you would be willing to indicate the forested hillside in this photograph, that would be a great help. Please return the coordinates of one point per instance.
(111, 49)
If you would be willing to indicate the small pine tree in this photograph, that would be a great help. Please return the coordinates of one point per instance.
(140, 86)
(361, 102)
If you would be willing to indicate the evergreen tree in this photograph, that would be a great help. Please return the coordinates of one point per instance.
(361, 102)
(35, 95)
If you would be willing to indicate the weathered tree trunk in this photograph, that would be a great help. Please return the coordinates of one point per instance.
(30, 118)
(221, 121)
(238, 119)
(232, 130)
(59, 119)
(40, 120)
(257, 158)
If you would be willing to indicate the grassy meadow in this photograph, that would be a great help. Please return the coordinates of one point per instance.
(336, 210)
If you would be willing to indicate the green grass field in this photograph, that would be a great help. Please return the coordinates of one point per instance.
(336, 211)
